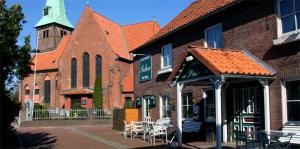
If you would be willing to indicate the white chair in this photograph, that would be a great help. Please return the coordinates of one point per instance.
(156, 130)
(147, 119)
(135, 128)
(126, 128)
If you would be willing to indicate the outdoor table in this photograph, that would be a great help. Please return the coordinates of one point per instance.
(275, 135)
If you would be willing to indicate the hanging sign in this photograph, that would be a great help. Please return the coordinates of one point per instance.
(145, 68)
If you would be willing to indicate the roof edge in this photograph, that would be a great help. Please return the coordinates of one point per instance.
(187, 25)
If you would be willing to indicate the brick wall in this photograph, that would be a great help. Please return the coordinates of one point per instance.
(247, 25)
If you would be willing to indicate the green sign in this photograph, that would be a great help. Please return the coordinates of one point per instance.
(145, 68)
(193, 70)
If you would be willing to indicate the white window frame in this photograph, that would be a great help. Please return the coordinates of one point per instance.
(209, 28)
(161, 103)
(144, 106)
(187, 105)
(204, 94)
(280, 33)
(162, 56)
(284, 100)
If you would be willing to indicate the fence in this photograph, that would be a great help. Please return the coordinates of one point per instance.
(57, 114)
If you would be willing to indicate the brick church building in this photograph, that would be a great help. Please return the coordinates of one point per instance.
(70, 59)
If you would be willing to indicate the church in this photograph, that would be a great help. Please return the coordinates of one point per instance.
(71, 58)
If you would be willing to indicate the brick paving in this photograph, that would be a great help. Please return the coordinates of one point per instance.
(87, 137)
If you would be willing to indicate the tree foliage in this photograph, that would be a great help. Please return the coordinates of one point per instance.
(98, 93)
(14, 63)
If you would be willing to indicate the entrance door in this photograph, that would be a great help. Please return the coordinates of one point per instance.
(247, 109)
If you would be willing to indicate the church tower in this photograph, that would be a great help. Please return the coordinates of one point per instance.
(53, 25)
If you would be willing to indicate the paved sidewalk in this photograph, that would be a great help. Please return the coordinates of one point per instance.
(88, 137)
(85, 137)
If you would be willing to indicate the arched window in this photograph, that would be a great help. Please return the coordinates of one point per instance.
(27, 89)
(86, 70)
(36, 89)
(47, 89)
(73, 73)
(98, 66)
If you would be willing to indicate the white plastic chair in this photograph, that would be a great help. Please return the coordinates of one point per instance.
(136, 128)
(156, 130)
(126, 128)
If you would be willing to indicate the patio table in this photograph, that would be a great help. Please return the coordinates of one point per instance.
(272, 138)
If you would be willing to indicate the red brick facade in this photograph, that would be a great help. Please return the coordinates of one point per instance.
(96, 36)
(246, 25)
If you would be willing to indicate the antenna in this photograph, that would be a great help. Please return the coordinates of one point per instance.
(153, 28)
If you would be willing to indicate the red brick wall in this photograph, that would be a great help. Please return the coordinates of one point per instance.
(248, 25)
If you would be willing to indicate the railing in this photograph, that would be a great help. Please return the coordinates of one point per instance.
(57, 114)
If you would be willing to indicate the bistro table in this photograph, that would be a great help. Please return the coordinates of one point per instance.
(273, 138)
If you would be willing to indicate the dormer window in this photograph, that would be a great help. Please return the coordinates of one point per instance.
(46, 11)
(213, 36)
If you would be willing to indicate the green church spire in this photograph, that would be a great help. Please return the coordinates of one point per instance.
(54, 12)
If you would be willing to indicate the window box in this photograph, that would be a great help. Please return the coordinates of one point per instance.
(165, 70)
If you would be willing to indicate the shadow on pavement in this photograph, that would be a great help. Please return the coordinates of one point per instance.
(37, 140)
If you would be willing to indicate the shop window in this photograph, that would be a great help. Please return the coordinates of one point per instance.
(213, 37)
(165, 106)
(210, 107)
(86, 70)
(293, 100)
(167, 56)
(187, 105)
(289, 15)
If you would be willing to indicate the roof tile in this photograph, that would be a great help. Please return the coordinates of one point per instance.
(49, 60)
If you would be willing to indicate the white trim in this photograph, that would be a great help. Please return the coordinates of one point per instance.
(165, 70)
(211, 27)
(162, 56)
(179, 112)
(283, 102)
(160, 105)
(280, 33)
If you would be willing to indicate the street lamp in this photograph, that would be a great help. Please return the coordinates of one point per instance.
(34, 79)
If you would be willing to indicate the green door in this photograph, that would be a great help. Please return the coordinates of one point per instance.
(247, 109)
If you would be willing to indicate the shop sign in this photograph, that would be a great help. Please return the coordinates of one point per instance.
(145, 68)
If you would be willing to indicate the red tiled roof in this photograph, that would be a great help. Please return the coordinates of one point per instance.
(138, 34)
(128, 84)
(227, 61)
(78, 92)
(123, 39)
(49, 60)
(193, 12)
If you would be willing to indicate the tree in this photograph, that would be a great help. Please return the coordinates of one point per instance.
(14, 63)
(98, 94)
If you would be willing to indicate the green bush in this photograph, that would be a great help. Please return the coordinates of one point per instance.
(98, 94)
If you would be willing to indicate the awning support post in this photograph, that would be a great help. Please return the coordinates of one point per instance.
(218, 87)
(265, 84)
(179, 113)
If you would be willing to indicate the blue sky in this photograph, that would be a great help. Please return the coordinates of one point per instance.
(121, 11)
